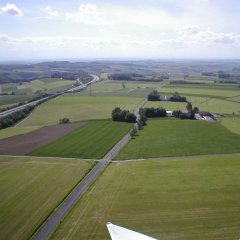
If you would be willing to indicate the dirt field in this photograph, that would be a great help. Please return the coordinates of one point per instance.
(25, 143)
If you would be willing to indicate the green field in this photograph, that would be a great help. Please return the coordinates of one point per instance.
(180, 137)
(168, 199)
(26, 91)
(220, 91)
(169, 106)
(115, 88)
(232, 123)
(48, 84)
(77, 108)
(204, 104)
(14, 99)
(93, 140)
(30, 190)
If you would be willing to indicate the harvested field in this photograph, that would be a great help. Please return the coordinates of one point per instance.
(25, 143)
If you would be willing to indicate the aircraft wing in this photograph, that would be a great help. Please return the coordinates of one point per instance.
(120, 233)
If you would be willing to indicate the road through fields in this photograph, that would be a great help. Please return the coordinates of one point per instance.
(52, 222)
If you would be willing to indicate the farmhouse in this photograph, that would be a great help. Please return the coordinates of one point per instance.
(204, 116)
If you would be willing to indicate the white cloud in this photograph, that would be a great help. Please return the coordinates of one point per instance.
(193, 34)
(88, 14)
(51, 12)
(11, 9)
(189, 30)
(4, 38)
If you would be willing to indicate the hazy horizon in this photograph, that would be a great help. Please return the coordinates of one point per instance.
(143, 29)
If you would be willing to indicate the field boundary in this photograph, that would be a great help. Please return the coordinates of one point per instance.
(63, 158)
(174, 157)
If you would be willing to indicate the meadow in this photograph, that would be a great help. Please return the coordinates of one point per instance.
(216, 91)
(163, 137)
(77, 108)
(172, 198)
(232, 123)
(93, 140)
(31, 188)
(115, 88)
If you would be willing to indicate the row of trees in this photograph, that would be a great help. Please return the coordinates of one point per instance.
(153, 112)
(155, 96)
(123, 115)
(177, 98)
(15, 117)
(190, 112)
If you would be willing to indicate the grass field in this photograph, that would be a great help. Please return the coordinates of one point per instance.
(232, 123)
(210, 90)
(168, 199)
(204, 104)
(14, 99)
(93, 140)
(115, 88)
(77, 108)
(215, 105)
(180, 137)
(48, 83)
(31, 188)
(167, 105)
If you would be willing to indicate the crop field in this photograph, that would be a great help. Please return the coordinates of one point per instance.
(93, 140)
(30, 190)
(77, 108)
(172, 198)
(208, 90)
(13, 131)
(180, 137)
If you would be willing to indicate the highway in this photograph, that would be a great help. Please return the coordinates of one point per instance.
(82, 85)
(57, 216)
(33, 103)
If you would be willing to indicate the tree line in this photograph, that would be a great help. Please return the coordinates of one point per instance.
(155, 96)
(11, 119)
(123, 115)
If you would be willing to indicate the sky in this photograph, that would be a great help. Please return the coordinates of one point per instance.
(63, 29)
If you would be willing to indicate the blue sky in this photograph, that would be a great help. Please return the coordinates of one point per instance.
(114, 29)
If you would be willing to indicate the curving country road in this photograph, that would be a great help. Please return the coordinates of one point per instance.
(52, 222)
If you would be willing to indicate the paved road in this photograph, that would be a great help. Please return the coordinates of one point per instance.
(82, 86)
(52, 222)
(33, 103)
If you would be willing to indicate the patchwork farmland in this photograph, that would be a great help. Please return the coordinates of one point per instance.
(174, 179)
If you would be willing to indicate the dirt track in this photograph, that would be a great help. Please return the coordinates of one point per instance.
(25, 143)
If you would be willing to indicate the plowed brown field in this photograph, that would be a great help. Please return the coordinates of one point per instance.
(25, 143)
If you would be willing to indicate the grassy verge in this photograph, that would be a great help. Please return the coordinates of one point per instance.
(188, 198)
